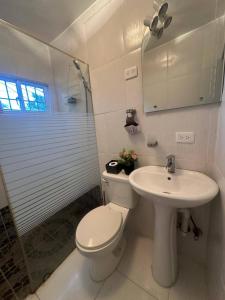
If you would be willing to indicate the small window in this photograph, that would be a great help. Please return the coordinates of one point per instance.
(18, 95)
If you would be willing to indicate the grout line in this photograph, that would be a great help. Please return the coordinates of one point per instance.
(9, 284)
(37, 296)
(139, 286)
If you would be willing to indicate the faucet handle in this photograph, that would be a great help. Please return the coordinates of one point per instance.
(170, 163)
(170, 156)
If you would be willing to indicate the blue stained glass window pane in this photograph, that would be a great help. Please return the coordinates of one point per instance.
(5, 104)
(42, 106)
(24, 92)
(15, 105)
(12, 90)
(31, 93)
(3, 91)
(16, 95)
(33, 106)
(40, 96)
(27, 106)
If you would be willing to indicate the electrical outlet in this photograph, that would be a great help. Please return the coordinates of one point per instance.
(131, 73)
(185, 137)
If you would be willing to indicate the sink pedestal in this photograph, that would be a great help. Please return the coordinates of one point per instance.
(164, 266)
(183, 189)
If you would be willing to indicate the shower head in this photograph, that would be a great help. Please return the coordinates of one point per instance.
(86, 85)
(76, 64)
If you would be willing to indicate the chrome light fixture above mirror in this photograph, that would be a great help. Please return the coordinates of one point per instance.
(160, 19)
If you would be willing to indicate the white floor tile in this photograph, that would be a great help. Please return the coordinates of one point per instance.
(191, 282)
(136, 265)
(118, 287)
(70, 281)
(133, 280)
(32, 297)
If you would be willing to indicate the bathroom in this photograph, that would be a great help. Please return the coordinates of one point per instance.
(83, 83)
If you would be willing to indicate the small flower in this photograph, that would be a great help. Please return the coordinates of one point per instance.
(127, 157)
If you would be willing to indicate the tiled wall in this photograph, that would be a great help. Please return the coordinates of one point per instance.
(110, 35)
(14, 281)
(216, 241)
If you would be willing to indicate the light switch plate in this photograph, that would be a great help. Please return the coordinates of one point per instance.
(131, 73)
(185, 137)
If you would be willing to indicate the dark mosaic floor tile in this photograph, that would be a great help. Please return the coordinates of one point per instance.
(13, 251)
(20, 283)
(6, 292)
(55, 222)
(2, 227)
(4, 240)
(7, 217)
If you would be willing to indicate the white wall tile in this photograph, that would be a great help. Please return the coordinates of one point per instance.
(108, 87)
(133, 27)
(107, 43)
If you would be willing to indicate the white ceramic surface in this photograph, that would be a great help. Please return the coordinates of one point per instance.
(168, 192)
(91, 234)
(99, 235)
(133, 280)
(181, 190)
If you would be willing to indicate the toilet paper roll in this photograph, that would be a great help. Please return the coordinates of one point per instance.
(113, 163)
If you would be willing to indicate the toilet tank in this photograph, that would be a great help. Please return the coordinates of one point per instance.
(118, 190)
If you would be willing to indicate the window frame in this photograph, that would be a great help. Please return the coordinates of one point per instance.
(22, 81)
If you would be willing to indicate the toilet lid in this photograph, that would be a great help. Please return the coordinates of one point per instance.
(98, 227)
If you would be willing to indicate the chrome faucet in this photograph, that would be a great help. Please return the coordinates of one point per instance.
(171, 167)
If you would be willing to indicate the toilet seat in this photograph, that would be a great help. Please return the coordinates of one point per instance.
(99, 227)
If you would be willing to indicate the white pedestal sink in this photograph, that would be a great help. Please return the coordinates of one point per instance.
(183, 189)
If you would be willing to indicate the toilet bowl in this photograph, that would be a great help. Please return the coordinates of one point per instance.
(99, 235)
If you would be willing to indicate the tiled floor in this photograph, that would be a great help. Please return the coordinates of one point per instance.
(132, 280)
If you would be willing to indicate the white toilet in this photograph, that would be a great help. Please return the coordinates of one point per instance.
(99, 235)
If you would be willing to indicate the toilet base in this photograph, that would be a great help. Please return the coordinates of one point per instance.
(102, 267)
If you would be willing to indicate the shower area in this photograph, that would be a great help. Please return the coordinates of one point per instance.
(48, 159)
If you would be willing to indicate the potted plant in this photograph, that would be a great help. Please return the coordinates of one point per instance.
(127, 159)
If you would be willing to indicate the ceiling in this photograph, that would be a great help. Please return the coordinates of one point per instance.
(44, 18)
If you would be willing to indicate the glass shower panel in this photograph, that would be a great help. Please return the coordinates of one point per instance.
(47, 161)
(48, 158)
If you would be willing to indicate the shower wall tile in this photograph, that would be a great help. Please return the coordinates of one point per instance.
(106, 41)
(133, 88)
(77, 47)
(108, 90)
(133, 27)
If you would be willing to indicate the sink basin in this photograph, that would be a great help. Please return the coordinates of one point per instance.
(182, 189)
(168, 192)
